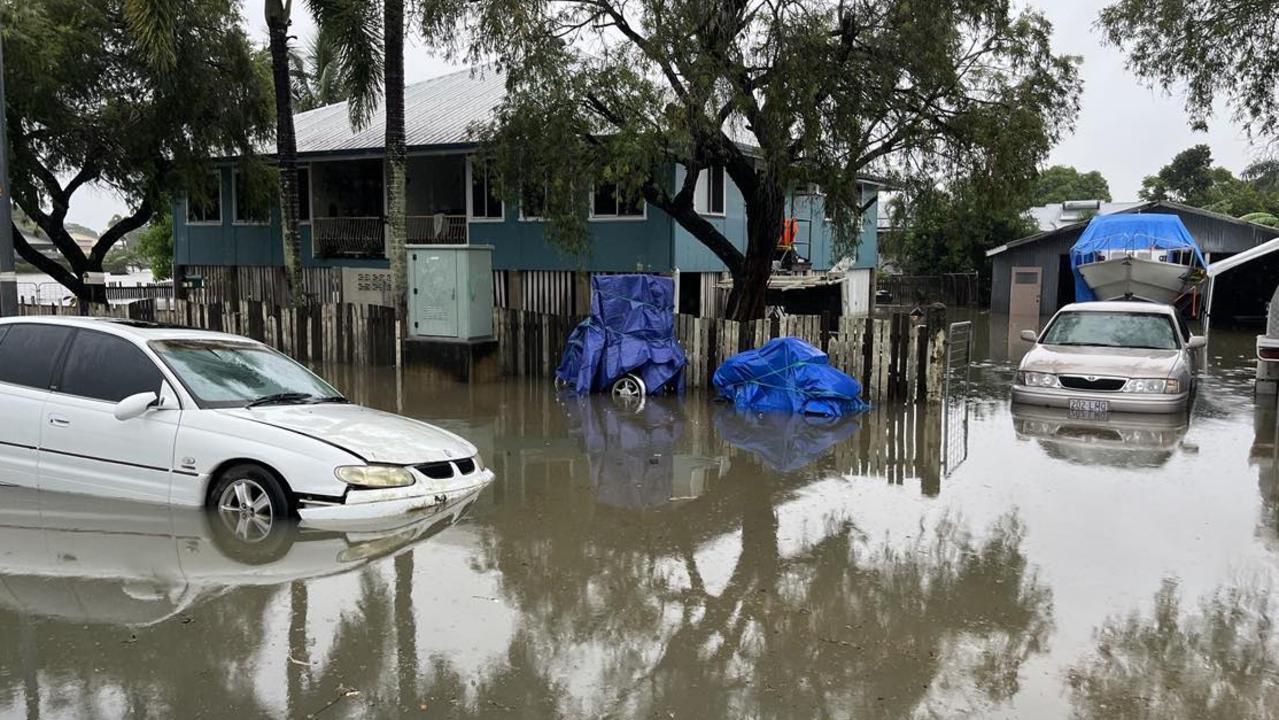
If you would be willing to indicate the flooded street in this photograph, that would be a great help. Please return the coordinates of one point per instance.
(686, 561)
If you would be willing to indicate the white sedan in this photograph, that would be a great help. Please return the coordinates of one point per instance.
(185, 417)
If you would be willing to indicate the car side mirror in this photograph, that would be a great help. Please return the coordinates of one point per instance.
(1029, 336)
(135, 405)
(1196, 342)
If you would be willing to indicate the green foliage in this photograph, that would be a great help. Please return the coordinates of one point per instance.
(805, 92)
(1061, 183)
(154, 246)
(1191, 178)
(1206, 48)
(949, 229)
(351, 32)
(317, 79)
(88, 103)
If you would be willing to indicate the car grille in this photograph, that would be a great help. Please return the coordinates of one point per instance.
(1076, 382)
(446, 470)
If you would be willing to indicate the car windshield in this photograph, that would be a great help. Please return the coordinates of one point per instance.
(1112, 329)
(225, 373)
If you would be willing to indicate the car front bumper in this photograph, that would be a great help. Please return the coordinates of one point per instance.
(383, 508)
(1119, 402)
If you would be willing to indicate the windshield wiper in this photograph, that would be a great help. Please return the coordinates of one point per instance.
(284, 397)
(330, 399)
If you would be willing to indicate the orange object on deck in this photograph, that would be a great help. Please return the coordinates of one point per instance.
(790, 231)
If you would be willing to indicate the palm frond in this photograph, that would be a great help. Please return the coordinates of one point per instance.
(354, 28)
(153, 24)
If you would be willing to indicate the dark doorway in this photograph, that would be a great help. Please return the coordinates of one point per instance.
(1065, 282)
(1241, 296)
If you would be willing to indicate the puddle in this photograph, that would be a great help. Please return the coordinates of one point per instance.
(689, 561)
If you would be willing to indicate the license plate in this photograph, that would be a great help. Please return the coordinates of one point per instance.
(1089, 409)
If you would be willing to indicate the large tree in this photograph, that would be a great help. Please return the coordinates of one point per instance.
(1193, 179)
(279, 15)
(1061, 183)
(778, 93)
(1209, 49)
(89, 102)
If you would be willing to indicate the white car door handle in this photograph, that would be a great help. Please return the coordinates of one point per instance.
(58, 421)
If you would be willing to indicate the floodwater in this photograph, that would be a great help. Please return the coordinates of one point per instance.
(685, 561)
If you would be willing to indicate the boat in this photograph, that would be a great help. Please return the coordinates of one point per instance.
(1150, 257)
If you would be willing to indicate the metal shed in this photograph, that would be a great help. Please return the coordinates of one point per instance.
(1031, 276)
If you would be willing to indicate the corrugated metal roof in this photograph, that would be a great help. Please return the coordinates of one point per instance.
(438, 111)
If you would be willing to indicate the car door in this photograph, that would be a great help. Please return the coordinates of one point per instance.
(28, 352)
(83, 447)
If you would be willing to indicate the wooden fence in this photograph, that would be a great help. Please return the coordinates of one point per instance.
(899, 357)
(333, 332)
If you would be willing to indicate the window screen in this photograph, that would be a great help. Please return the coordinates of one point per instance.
(105, 367)
(27, 354)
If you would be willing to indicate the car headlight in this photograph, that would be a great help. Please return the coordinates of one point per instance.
(375, 476)
(1153, 386)
(1037, 379)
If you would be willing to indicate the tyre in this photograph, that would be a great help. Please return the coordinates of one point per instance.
(250, 514)
(629, 391)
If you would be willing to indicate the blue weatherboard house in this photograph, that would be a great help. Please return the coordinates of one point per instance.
(342, 209)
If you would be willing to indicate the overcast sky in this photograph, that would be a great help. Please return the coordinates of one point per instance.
(1124, 130)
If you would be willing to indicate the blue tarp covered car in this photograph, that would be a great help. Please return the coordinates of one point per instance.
(788, 375)
(629, 335)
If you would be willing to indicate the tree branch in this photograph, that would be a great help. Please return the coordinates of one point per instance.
(45, 264)
(139, 218)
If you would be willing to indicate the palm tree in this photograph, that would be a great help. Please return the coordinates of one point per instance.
(278, 17)
(368, 70)
(316, 80)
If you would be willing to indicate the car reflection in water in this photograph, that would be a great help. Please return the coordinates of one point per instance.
(784, 442)
(98, 560)
(638, 454)
(1123, 440)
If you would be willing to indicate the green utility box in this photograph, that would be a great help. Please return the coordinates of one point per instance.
(451, 292)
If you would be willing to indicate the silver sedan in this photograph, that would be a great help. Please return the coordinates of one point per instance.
(1100, 357)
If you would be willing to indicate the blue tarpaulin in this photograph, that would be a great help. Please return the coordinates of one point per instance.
(1130, 231)
(789, 375)
(631, 329)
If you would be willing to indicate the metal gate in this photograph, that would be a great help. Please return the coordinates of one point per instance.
(955, 394)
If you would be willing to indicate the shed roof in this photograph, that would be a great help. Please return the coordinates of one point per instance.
(1154, 206)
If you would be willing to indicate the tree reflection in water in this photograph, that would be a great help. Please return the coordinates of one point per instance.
(1220, 661)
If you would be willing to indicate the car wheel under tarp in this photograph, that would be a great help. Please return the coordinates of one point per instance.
(628, 392)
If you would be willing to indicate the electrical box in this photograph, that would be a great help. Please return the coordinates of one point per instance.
(451, 291)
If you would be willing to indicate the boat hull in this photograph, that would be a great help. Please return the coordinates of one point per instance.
(1133, 277)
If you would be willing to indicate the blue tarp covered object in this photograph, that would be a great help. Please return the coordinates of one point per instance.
(631, 329)
(1129, 231)
(788, 375)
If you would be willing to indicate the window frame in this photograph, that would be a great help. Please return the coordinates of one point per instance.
(60, 371)
(704, 190)
(596, 217)
(470, 196)
(217, 174)
(235, 205)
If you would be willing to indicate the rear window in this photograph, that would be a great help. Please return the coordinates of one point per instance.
(106, 367)
(1149, 331)
(27, 354)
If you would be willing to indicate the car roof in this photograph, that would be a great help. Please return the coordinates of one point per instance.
(136, 329)
(1133, 306)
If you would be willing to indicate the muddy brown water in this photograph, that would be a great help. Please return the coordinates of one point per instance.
(684, 561)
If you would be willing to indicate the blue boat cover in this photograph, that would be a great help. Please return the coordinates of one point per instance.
(1128, 231)
(631, 329)
(783, 442)
(787, 374)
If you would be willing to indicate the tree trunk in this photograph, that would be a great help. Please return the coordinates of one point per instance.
(396, 156)
(764, 209)
(286, 146)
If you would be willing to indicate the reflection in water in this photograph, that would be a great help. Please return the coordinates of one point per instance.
(1265, 456)
(782, 441)
(1220, 661)
(1118, 440)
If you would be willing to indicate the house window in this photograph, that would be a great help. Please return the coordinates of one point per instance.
(709, 197)
(533, 203)
(204, 203)
(606, 205)
(252, 203)
(486, 203)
